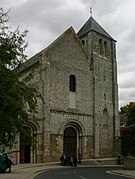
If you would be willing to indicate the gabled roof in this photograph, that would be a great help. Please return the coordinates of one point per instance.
(36, 58)
(92, 25)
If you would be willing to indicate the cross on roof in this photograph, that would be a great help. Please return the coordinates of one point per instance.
(91, 11)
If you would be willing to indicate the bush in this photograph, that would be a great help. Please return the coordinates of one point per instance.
(128, 140)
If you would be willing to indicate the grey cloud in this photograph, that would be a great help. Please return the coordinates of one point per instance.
(46, 20)
(126, 96)
(126, 65)
(128, 84)
(127, 80)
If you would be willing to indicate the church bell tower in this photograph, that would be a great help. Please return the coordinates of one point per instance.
(103, 69)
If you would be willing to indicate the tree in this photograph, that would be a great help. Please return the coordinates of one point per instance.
(128, 132)
(129, 111)
(17, 100)
(128, 140)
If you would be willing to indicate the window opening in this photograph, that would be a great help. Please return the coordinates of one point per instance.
(100, 46)
(105, 48)
(83, 42)
(104, 96)
(72, 83)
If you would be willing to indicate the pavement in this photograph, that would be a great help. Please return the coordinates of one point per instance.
(29, 171)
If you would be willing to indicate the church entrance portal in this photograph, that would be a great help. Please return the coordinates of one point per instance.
(25, 144)
(70, 141)
(25, 149)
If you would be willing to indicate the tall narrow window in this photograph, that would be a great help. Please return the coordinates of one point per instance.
(105, 49)
(104, 96)
(104, 77)
(105, 117)
(72, 83)
(100, 46)
(83, 42)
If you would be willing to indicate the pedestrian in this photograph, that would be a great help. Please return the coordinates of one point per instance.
(71, 160)
(8, 163)
(119, 159)
(68, 160)
(79, 158)
(75, 160)
(62, 159)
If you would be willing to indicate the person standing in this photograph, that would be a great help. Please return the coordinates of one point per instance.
(79, 158)
(75, 160)
(8, 163)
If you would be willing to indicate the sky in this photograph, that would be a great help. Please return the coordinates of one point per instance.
(47, 19)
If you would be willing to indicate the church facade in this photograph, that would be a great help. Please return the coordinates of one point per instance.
(76, 76)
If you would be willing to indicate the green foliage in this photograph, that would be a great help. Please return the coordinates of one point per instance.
(17, 100)
(128, 132)
(128, 141)
(12, 43)
(129, 111)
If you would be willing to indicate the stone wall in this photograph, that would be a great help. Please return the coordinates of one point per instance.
(91, 109)
(60, 120)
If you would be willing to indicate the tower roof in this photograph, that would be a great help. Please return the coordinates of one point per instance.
(92, 25)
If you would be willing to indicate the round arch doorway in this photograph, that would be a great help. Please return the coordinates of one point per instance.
(70, 141)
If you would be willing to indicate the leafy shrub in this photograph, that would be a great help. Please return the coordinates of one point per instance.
(128, 140)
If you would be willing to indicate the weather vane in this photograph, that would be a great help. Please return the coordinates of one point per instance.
(91, 11)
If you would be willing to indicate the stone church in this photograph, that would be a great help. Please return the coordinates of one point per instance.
(77, 78)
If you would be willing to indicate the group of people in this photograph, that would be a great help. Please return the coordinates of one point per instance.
(70, 159)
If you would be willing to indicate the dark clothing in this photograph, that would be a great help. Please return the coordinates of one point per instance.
(68, 160)
(75, 160)
(79, 158)
(8, 163)
(63, 160)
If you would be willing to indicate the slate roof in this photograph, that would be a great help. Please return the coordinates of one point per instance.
(92, 25)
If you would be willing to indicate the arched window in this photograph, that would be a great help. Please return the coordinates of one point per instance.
(83, 42)
(104, 96)
(72, 83)
(105, 117)
(105, 49)
(100, 46)
(104, 78)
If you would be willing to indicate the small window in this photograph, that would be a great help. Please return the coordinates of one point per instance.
(72, 83)
(104, 96)
(83, 42)
(100, 46)
(104, 77)
(105, 117)
(105, 48)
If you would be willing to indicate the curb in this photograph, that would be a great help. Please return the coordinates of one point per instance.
(119, 173)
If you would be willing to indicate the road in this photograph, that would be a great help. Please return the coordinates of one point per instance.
(79, 173)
